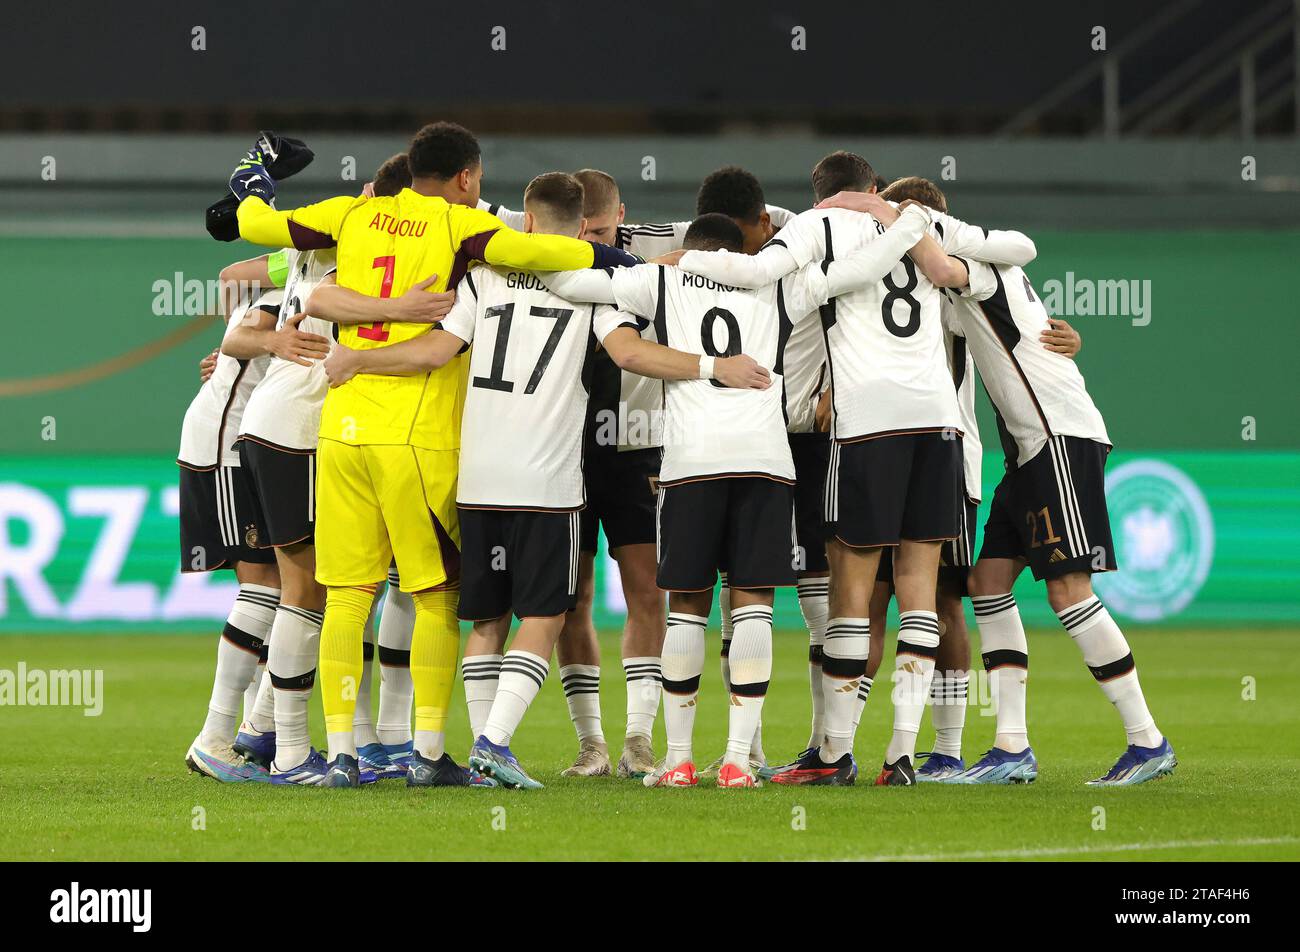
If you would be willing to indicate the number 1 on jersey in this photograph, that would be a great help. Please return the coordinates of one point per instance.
(376, 331)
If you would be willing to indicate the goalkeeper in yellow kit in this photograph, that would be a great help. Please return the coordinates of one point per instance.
(388, 453)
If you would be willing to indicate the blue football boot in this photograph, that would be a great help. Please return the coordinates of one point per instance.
(939, 768)
(374, 759)
(443, 772)
(343, 771)
(309, 773)
(1138, 765)
(254, 745)
(999, 766)
(399, 755)
(500, 764)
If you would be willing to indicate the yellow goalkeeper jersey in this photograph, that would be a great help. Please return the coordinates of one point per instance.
(386, 245)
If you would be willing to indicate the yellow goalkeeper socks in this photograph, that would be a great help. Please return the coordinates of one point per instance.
(435, 644)
(341, 663)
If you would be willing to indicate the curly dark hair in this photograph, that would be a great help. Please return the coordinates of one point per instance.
(731, 191)
(441, 150)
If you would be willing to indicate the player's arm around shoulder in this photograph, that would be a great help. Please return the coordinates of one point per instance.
(620, 335)
(996, 246)
(417, 355)
(905, 233)
(304, 228)
(485, 238)
(982, 280)
(258, 335)
(738, 270)
(420, 304)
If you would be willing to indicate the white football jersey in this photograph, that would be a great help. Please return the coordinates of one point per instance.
(651, 241)
(285, 408)
(711, 430)
(627, 409)
(884, 342)
(645, 241)
(962, 367)
(526, 399)
(212, 421)
(1037, 394)
(807, 375)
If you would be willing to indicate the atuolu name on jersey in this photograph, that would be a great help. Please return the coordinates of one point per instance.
(394, 226)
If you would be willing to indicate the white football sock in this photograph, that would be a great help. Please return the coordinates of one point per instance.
(644, 685)
(814, 604)
(683, 663)
(255, 685)
(522, 674)
(918, 643)
(396, 689)
(948, 692)
(295, 648)
(1005, 652)
(363, 724)
(751, 672)
(860, 703)
(481, 674)
(844, 664)
(581, 684)
(1107, 655)
(263, 717)
(238, 653)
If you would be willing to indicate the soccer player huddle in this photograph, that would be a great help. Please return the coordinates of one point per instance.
(431, 403)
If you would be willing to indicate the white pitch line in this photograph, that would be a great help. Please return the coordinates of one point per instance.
(1068, 850)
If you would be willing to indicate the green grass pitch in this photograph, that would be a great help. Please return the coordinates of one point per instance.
(114, 787)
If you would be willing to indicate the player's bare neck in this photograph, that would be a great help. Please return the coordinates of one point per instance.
(440, 188)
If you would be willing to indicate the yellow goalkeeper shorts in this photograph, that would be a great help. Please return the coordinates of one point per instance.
(378, 503)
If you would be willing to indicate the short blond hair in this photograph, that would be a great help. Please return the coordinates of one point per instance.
(600, 192)
(918, 189)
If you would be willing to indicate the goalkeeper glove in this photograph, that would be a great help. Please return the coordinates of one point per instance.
(282, 155)
(251, 177)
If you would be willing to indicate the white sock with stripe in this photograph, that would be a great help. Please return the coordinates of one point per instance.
(581, 684)
(728, 631)
(751, 672)
(481, 674)
(1107, 655)
(948, 693)
(844, 664)
(239, 653)
(396, 689)
(295, 647)
(644, 686)
(522, 675)
(1005, 652)
(860, 703)
(814, 604)
(254, 686)
(683, 663)
(918, 643)
(262, 717)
